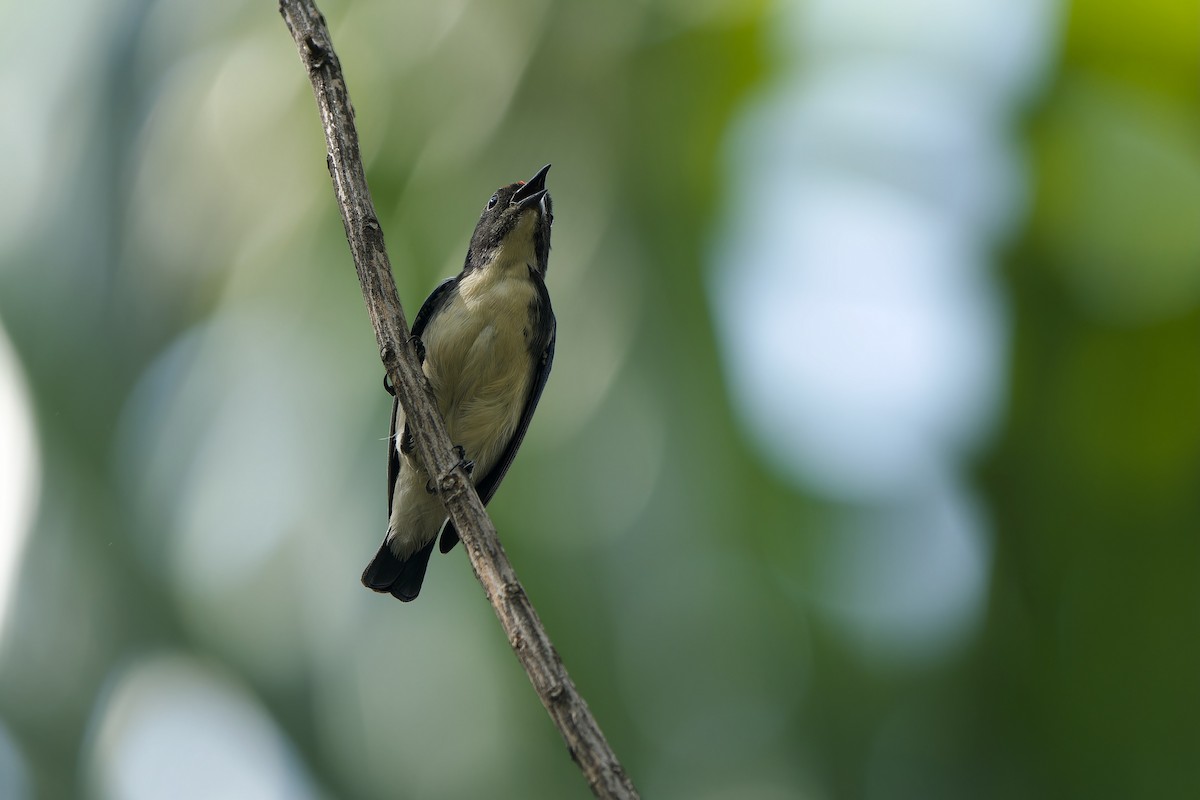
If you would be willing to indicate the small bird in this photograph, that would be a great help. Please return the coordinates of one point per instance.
(486, 342)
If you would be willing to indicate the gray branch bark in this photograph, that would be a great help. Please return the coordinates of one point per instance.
(583, 737)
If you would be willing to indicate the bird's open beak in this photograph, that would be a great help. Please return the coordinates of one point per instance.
(531, 192)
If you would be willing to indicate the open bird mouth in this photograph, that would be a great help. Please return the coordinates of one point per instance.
(531, 192)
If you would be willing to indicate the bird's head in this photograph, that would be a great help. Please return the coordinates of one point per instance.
(515, 226)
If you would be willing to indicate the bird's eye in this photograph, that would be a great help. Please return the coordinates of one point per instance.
(492, 203)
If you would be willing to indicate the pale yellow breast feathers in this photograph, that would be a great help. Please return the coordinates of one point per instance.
(478, 362)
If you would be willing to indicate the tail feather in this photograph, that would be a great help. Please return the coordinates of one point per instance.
(402, 578)
(449, 537)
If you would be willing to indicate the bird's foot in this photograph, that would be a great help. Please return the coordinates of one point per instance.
(419, 346)
(464, 462)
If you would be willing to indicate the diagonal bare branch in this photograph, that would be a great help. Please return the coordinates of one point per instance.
(525, 632)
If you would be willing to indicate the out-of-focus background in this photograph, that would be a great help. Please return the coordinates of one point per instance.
(870, 463)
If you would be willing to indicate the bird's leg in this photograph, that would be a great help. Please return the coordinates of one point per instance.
(407, 444)
(464, 462)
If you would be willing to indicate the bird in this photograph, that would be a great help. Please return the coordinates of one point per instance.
(485, 339)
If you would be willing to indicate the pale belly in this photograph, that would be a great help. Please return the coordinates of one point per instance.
(479, 366)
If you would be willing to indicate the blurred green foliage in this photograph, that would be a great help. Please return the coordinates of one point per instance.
(206, 397)
(1089, 652)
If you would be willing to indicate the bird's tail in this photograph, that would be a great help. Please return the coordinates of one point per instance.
(401, 577)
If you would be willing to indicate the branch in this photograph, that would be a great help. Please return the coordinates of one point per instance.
(525, 632)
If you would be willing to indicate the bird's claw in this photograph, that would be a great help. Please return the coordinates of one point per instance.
(418, 346)
(387, 385)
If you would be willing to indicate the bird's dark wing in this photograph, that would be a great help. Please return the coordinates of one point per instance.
(437, 298)
(491, 482)
(393, 457)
